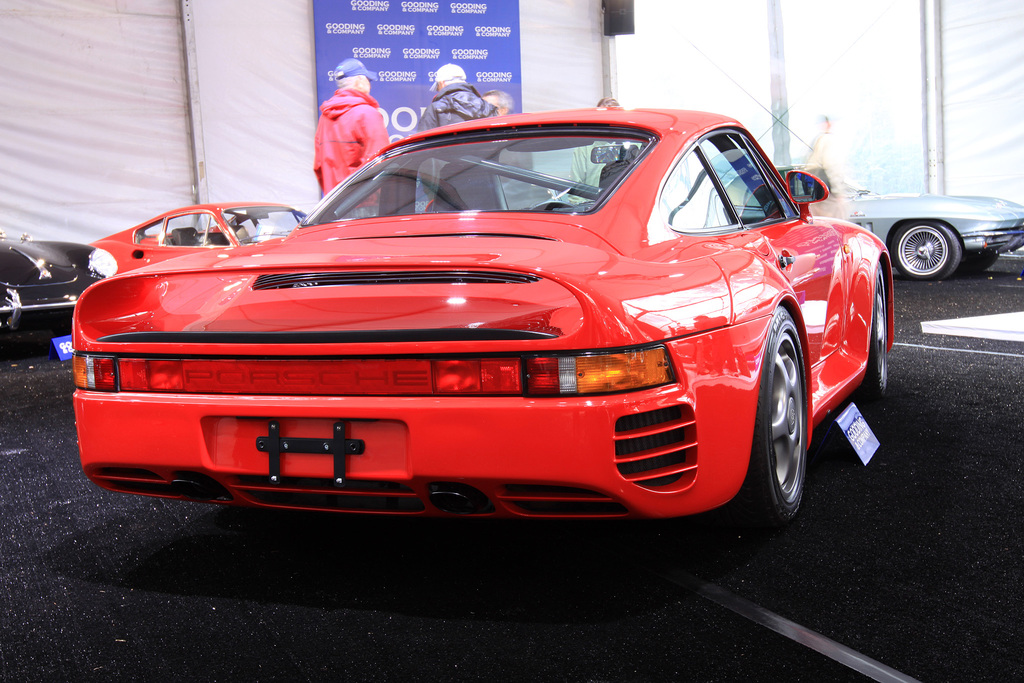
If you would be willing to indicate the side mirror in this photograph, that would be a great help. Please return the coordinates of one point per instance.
(606, 154)
(805, 188)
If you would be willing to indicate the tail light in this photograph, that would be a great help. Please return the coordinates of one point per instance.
(342, 377)
(598, 373)
(95, 372)
(561, 375)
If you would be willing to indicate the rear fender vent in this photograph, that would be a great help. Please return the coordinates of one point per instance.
(410, 277)
(657, 449)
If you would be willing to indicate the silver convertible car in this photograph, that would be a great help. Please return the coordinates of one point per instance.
(930, 236)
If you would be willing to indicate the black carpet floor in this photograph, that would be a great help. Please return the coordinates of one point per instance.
(914, 561)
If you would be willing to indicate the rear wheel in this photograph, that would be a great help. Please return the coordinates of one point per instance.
(876, 378)
(926, 250)
(772, 491)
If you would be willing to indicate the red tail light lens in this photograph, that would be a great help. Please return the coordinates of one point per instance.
(94, 372)
(150, 375)
(484, 376)
(345, 377)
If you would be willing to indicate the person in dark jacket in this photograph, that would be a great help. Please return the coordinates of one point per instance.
(350, 130)
(501, 100)
(455, 100)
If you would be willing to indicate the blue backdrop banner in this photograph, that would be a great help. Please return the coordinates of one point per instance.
(406, 41)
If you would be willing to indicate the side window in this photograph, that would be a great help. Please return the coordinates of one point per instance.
(149, 235)
(188, 230)
(690, 201)
(747, 190)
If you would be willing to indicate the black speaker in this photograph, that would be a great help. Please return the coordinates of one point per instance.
(618, 17)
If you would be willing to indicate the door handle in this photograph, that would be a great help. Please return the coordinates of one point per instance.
(786, 259)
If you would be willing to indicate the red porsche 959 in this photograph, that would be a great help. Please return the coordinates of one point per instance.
(594, 313)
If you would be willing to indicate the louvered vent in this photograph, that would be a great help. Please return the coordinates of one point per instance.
(410, 277)
(657, 449)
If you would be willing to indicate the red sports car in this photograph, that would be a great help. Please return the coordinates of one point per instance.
(191, 228)
(594, 313)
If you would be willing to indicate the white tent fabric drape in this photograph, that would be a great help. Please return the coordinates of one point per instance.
(93, 126)
(101, 126)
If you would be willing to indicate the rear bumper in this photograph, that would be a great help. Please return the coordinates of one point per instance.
(664, 452)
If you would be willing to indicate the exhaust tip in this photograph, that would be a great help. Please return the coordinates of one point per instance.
(459, 499)
(196, 486)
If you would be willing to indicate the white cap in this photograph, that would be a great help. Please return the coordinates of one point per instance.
(448, 72)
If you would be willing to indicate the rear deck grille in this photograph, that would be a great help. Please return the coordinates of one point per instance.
(411, 277)
(657, 449)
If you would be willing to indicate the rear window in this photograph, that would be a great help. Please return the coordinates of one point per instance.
(569, 173)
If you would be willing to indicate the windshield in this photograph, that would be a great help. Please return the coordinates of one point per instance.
(254, 224)
(570, 173)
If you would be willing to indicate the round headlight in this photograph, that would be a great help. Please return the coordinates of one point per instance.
(102, 263)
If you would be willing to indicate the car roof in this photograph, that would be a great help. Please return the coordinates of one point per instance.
(658, 121)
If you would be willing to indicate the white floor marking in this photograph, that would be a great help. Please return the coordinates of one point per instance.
(784, 627)
(944, 348)
(1004, 326)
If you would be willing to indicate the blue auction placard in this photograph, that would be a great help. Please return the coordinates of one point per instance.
(858, 433)
(406, 41)
(61, 348)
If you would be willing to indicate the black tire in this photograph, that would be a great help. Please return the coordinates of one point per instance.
(979, 263)
(773, 488)
(876, 378)
(926, 250)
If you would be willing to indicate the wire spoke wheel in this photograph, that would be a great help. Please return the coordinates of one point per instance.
(927, 251)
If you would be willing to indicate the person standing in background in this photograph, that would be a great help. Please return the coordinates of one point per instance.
(826, 162)
(350, 130)
(455, 101)
(583, 170)
(501, 100)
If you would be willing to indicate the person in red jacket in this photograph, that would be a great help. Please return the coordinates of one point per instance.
(350, 130)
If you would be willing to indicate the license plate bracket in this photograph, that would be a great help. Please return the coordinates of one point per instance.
(338, 445)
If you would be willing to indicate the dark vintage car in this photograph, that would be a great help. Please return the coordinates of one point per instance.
(474, 324)
(40, 282)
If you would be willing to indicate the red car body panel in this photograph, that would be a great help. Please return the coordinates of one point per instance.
(131, 252)
(591, 281)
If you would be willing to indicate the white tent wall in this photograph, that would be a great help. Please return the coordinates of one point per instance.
(112, 111)
(857, 63)
(561, 53)
(254, 107)
(983, 97)
(93, 125)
